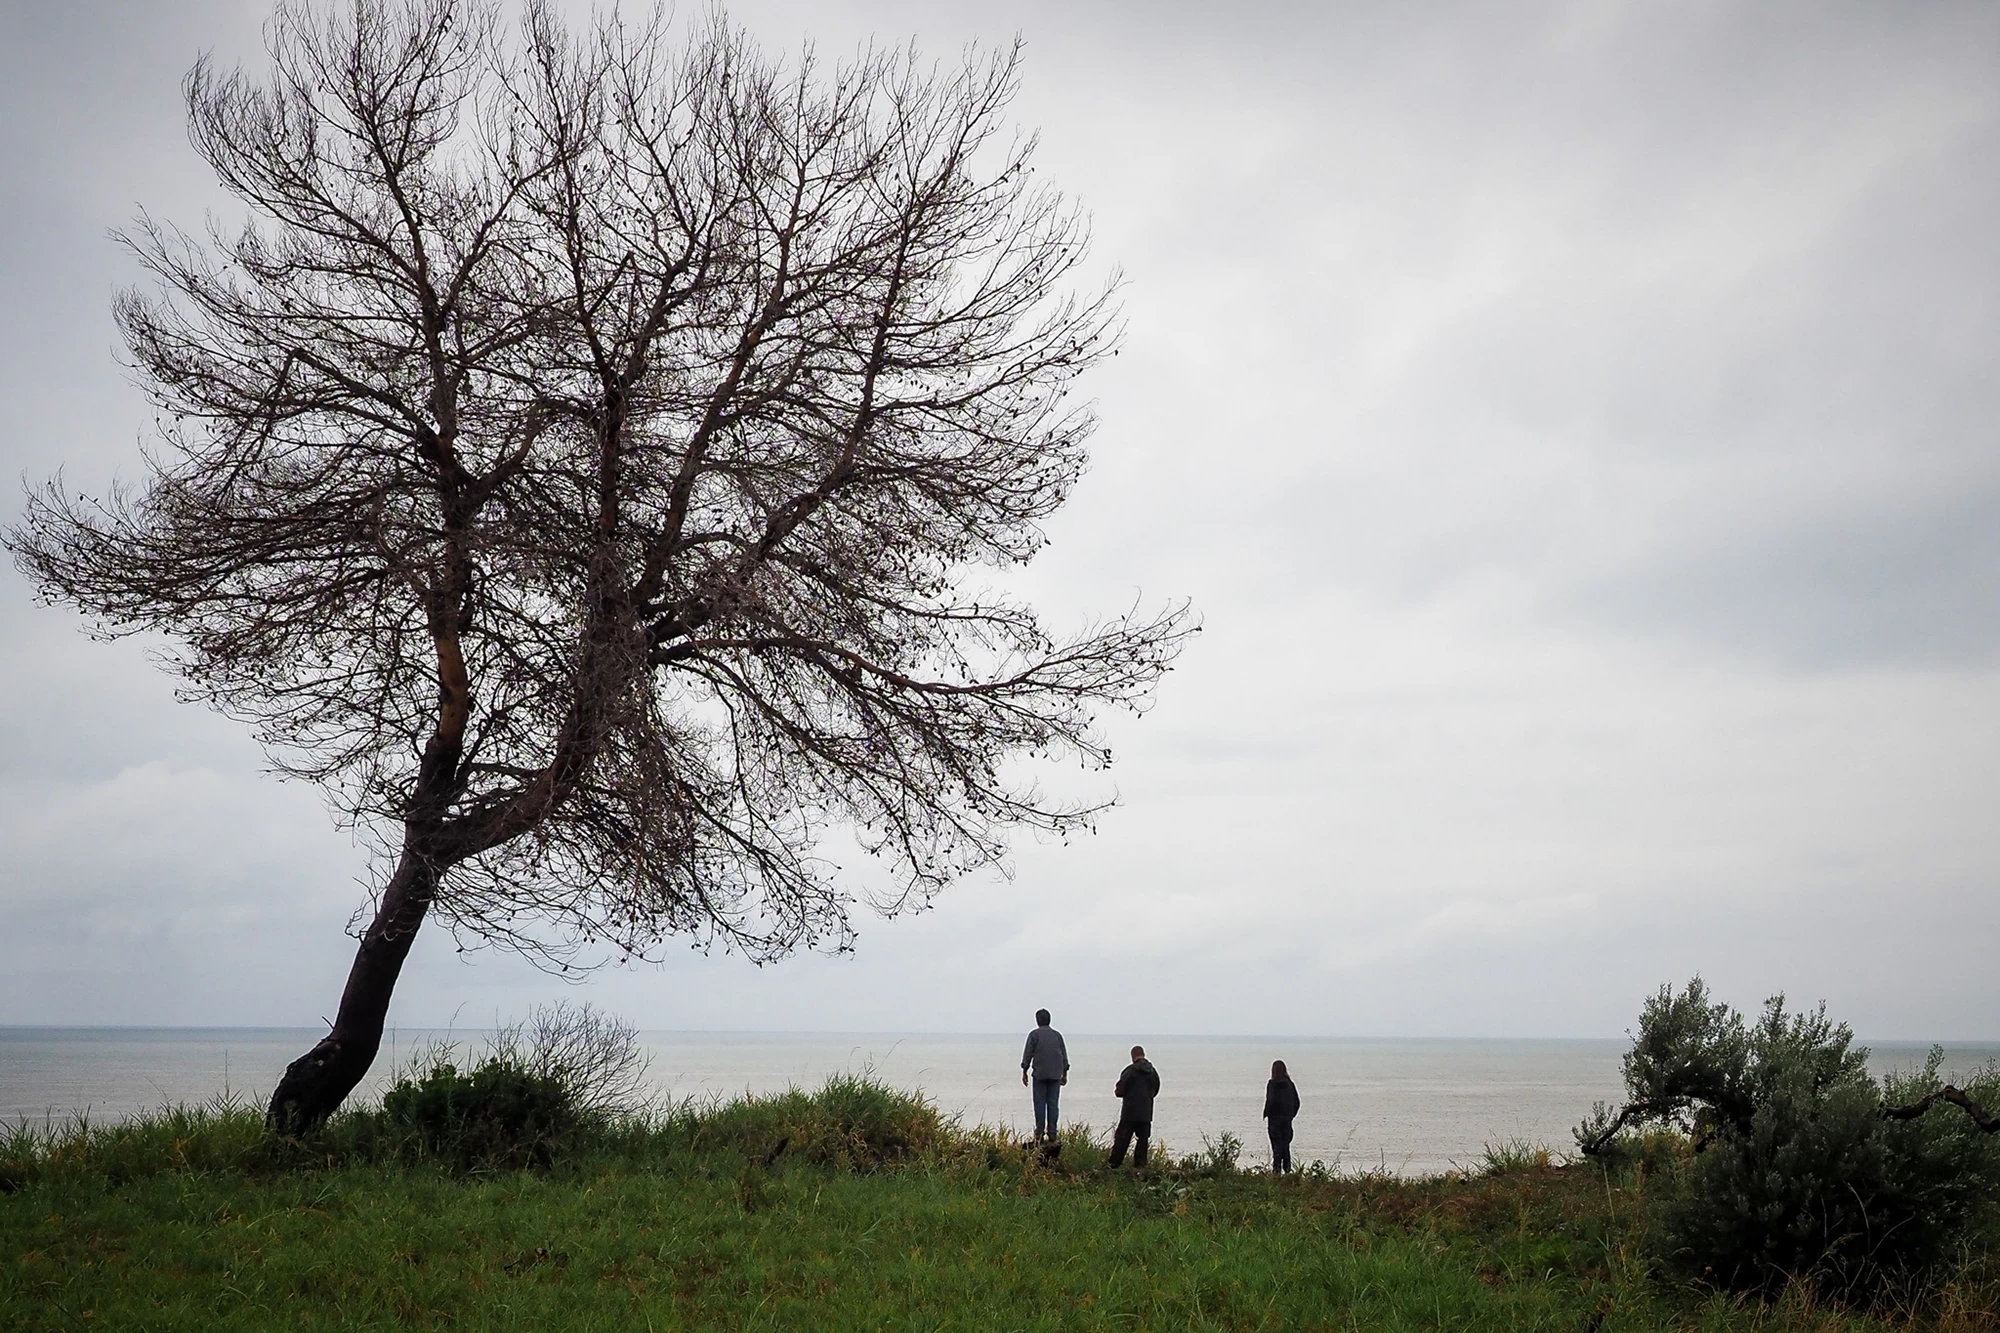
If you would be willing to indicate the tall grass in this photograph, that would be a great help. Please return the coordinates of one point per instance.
(875, 1212)
(226, 1134)
(1507, 1156)
(853, 1122)
(851, 1205)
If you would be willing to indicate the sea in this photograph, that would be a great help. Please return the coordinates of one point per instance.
(1408, 1107)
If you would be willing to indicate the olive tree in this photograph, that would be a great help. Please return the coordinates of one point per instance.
(1803, 1166)
(579, 465)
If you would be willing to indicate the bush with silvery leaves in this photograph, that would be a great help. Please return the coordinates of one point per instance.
(1801, 1170)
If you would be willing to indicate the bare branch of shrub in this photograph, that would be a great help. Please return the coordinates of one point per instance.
(1984, 1119)
(595, 1056)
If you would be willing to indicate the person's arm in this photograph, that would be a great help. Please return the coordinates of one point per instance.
(1270, 1096)
(1028, 1056)
(1063, 1046)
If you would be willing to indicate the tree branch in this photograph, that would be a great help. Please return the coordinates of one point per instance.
(1986, 1122)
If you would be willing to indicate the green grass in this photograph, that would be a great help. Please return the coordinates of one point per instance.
(876, 1214)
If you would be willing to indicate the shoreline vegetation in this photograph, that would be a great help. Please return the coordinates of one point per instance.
(851, 1206)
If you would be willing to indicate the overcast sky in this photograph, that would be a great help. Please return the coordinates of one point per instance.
(1576, 425)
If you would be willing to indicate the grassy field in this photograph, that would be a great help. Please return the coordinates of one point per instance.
(873, 1215)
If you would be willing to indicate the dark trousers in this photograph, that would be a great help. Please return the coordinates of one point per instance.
(1122, 1137)
(1281, 1144)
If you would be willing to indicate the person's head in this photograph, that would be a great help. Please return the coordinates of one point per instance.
(1138, 1052)
(1278, 1071)
(1041, 1018)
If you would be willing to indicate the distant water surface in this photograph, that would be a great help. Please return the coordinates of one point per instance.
(1406, 1106)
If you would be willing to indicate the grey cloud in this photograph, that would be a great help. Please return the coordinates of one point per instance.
(1915, 587)
(1573, 422)
(1696, 328)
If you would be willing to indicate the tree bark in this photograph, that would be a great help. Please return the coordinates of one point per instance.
(317, 1082)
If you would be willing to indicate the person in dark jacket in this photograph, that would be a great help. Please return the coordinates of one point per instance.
(1137, 1087)
(1281, 1106)
(1048, 1059)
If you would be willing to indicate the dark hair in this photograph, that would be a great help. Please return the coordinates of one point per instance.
(1042, 1017)
(1278, 1071)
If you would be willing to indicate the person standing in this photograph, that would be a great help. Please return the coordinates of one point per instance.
(1045, 1063)
(1136, 1088)
(1281, 1107)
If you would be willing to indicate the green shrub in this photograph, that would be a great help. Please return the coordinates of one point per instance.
(852, 1120)
(1689, 1068)
(570, 1073)
(497, 1114)
(1797, 1175)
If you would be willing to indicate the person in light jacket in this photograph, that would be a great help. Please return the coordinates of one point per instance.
(1281, 1107)
(1048, 1059)
(1136, 1088)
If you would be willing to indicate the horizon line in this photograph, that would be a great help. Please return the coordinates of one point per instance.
(1127, 1034)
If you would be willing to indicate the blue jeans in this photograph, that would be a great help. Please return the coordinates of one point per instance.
(1048, 1091)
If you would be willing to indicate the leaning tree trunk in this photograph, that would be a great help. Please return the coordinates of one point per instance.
(317, 1082)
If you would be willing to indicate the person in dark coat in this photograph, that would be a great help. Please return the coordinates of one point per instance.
(1137, 1087)
(1045, 1064)
(1281, 1106)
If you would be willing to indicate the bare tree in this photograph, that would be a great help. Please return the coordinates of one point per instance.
(575, 464)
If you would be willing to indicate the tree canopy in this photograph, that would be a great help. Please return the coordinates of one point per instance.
(576, 463)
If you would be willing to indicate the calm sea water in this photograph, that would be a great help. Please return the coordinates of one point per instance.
(1407, 1106)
